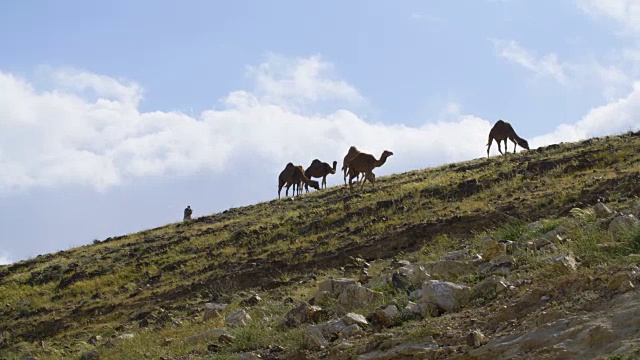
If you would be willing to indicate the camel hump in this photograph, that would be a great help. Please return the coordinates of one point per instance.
(315, 161)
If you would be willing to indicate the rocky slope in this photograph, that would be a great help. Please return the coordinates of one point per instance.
(494, 258)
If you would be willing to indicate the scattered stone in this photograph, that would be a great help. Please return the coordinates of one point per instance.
(353, 318)
(476, 339)
(251, 301)
(125, 336)
(384, 318)
(168, 341)
(213, 310)
(90, 355)
(336, 286)
(621, 282)
(226, 339)
(213, 347)
(350, 331)
(489, 288)
(564, 263)
(456, 255)
(492, 248)
(323, 298)
(400, 282)
(416, 274)
(314, 339)
(238, 318)
(446, 295)
(412, 310)
(356, 296)
(400, 263)
(415, 295)
(621, 224)
(301, 314)
(94, 339)
(448, 269)
(249, 356)
(332, 328)
(602, 211)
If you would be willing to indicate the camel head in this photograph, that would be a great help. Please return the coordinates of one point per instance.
(386, 154)
(335, 165)
(314, 184)
(523, 143)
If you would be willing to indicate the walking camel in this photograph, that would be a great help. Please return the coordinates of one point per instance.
(502, 131)
(319, 169)
(353, 152)
(293, 175)
(365, 163)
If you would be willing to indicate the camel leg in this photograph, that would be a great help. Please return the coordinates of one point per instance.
(324, 182)
(286, 192)
(345, 176)
(500, 147)
(489, 147)
(514, 145)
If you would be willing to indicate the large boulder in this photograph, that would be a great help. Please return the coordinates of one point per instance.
(602, 211)
(356, 296)
(332, 328)
(622, 224)
(314, 339)
(213, 310)
(446, 295)
(336, 286)
(492, 248)
(564, 263)
(301, 314)
(448, 269)
(238, 318)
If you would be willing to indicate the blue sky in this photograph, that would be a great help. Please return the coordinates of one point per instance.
(115, 115)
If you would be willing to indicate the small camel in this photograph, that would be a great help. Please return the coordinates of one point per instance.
(365, 163)
(293, 175)
(502, 131)
(353, 152)
(319, 169)
(300, 178)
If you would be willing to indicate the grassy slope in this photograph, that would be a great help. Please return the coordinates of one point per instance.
(105, 288)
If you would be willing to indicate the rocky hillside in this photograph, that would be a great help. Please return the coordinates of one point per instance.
(530, 256)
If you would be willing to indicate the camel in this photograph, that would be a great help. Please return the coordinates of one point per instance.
(319, 169)
(365, 163)
(353, 152)
(294, 175)
(502, 130)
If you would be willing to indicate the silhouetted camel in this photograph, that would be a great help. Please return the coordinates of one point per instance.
(502, 131)
(293, 175)
(353, 151)
(300, 178)
(365, 163)
(319, 169)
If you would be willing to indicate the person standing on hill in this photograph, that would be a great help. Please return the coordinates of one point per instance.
(187, 213)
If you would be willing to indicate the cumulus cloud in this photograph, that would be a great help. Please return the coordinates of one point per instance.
(4, 258)
(611, 79)
(88, 129)
(547, 65)
(617, 116)
(624, 12)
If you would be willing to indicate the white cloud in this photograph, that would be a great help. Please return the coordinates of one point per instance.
(89, 131)
(624, 12)
(285, 81)
(547, 65)
(615, 117)
(4, 258)
(589, 73)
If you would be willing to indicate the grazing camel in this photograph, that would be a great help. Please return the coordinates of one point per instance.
(502, 131)
(300, 178)
(365, 163)
(353, 152)
(293, 175)
(319, 169)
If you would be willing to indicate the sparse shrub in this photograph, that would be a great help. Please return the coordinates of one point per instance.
(512, 230)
